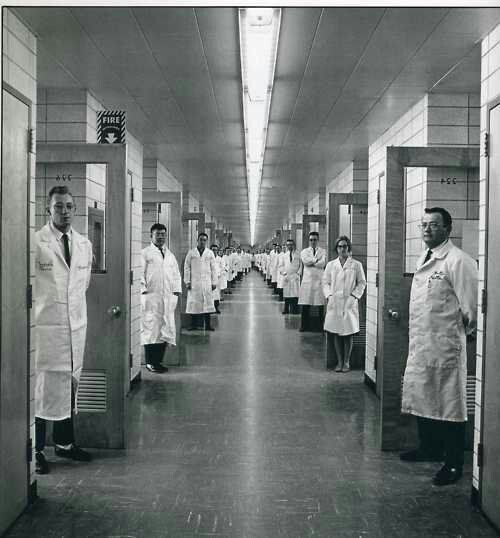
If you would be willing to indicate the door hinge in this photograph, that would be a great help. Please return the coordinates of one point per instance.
(130, 360)
(29, 450)
(376, 280)
(131, 278)
(378, 196)
(480, 454)
(375, 362)
(29, 296)
(484, 301)
(31, 141)
(132, 194)
(486, 142)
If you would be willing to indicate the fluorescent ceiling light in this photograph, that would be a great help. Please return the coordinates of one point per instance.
(259, 33)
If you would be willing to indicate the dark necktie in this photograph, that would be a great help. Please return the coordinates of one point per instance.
(428, 256)
(67, 255)
(291, 257)
(314, 252)
(161, 250)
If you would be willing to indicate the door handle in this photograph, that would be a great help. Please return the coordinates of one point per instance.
(393, 314)
(115, 311)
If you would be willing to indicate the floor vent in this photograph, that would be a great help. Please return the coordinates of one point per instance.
(92, 392)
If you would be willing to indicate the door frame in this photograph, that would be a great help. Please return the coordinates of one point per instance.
(306, 221)
(391, 270)
(106, 430)
(490, 106)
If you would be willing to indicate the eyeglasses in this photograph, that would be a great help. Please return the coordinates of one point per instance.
(59, 208)
(431, 225)
(342, 246)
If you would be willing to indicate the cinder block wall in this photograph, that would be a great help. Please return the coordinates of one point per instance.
(19, 72)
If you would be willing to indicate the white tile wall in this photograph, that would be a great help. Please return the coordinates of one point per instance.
(490, 90)
(19, 71)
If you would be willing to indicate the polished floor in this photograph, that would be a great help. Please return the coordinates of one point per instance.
(252, 437)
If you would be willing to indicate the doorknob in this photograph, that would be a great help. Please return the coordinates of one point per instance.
(115, 311)
(393, 314)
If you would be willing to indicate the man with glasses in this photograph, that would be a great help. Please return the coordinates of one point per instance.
(443, 306)
(63, 263)
(311, 292)
(161, 288)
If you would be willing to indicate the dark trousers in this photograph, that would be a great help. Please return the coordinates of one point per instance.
(280, 293)
(62, 431)
(200, 321)
(306, 321)
(291, 305)
(154, 353)
(443, 437)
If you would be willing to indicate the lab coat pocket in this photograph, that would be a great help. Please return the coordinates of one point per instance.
(442, 351)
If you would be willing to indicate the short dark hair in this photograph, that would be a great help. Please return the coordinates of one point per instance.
(157, 226)
(346, 239)
(447, 220)
(58, 189)
(214, 246)
(314, 234)
(202, 234)
(291, 240)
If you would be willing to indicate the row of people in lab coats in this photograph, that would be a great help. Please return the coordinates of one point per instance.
(306, 279)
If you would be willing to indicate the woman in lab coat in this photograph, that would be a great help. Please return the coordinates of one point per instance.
(344, 283)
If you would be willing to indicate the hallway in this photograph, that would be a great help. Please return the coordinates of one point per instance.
(251, 438)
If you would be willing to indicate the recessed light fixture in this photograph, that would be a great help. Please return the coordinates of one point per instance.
(259, 34)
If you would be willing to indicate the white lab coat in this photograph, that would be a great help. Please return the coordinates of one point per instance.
(279, 280)
(339, 286)
(228, 268)
(159, 281)
(223, 272)
(218, 273)
(273, 265)
(290, 271)
(61, 321)
(200, 272)
(443, 306)
(311, 291)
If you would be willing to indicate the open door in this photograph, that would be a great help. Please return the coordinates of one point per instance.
(15, 451)
(105, 380)
(348, 215)
(490, 431)
(395, 282)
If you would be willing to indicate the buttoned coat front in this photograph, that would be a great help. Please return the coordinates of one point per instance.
(200, 272)
(340, 284)
(290, 271)
(311, 290)
(60, 310)
(160, 280)
(443, 307)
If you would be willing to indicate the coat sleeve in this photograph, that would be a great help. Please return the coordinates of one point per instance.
(143, 272)
(321, 260)
(213, 270)
(307, 257)
(359, 289)
(326, 281)
(176, 276)
(187, 268)
(281, 265)
(464, 278)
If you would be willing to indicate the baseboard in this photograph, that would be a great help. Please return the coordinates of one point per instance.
(370, 383)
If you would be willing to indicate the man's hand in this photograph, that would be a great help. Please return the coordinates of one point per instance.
(213, 287)
(188, 286)
(178, 293)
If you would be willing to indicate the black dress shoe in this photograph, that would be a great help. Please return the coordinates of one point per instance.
(218, 312)
(162, 368)
(155, 369)
(73, 453)
(420, 455)
(41, 464)
(447, 475)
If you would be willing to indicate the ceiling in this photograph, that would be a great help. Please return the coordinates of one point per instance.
(343, 76)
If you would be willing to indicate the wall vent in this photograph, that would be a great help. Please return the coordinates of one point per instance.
(92, 392)
(471, 394)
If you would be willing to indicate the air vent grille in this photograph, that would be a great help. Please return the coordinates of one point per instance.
(92, 392)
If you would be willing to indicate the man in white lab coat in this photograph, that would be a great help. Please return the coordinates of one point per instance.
(200, 277)
(63, 264)
(161, 287)
(311, 291)
(290, 268)
(218, 270)
(443, 310)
